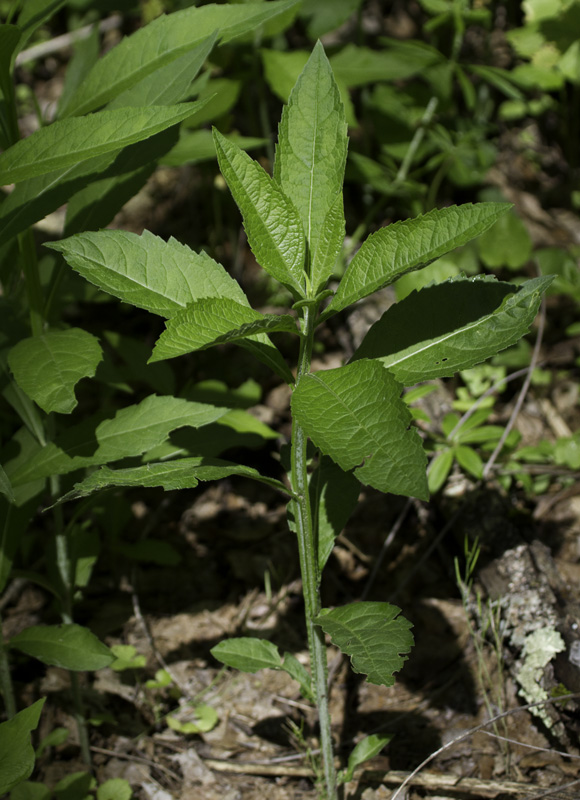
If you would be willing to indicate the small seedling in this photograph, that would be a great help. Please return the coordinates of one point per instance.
(354, 415)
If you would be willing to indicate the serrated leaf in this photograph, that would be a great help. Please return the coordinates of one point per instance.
(162, 41)
(33, 199)
(272, 224)
(161, 277)
(333, 497)
(49, 366)
(71, 141)
(184, 473)
(408, 245)
(372, 634)
(358, 418)
(455, 325)
(16, 751)
(329, 246)
(312, 145)
(247, 654)
(68, 646)
(213, 321)
(367, 748)
(131, 432)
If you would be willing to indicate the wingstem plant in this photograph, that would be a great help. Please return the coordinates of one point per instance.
(354, 415)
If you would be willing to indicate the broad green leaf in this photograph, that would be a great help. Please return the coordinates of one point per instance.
(206, 718)
(221, 94)
(131, 432)
(357, 417)
(452, 326)
(8, 492)
(357, 66)
(333, 496)
(29, 790)
(68, 646)
(168, 85)
(147, 272)
(212, 321)
(72, 141)
(16, 751)
(162, 41)
(75, 785)
(408, 245)
(372, 634)
(272, 224)
(247, 654)
(329, 246)
(49, 366)
(312, 144)
(367, 748)
(184, 473)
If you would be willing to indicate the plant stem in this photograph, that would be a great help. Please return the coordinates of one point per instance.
(309, 566)
(5, 678)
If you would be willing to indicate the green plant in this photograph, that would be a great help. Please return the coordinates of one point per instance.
(354, 416)
(116, 118)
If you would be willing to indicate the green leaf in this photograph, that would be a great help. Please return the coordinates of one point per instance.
(439, 470)
(16, 751)
(131, 432)
(71, 141)
(8, 492)
(312, 144)
(115, 789)
(35, 12)
(357, 66)
(33, 199)
(333, 496)
(451, 326)
(470, 460)
(327, 15)
(213, 321)
(506, 244)
(168, 85)
(68, 646)
(408, 245)
(247, 654)
(28, 790)
(147, 272)
(9, 38)
(206, 719)
(367, 748)
(355, 415)
(274, 230)
(184, 473)
(300, 674)
(329, 246)
(49, 366)
(376, 640)
(161, 42)
(195, 147)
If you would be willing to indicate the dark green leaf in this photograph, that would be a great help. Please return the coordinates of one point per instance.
(68, 646)
(16, 751)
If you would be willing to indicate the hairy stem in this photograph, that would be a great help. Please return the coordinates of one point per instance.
(309, 567)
